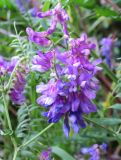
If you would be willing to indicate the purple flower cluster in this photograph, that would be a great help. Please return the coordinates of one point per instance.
(16, 92)
(94, 151)
(70, 92)
(72, 85)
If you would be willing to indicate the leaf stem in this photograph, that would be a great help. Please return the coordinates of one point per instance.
(36, 136)
(97, 124)
(9, 122)
(6, 111)
(15, 153)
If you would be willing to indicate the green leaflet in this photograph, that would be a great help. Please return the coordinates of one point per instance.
(116, 106)
(46, 6)
(101, 11)
(62, 153)
(107, 121)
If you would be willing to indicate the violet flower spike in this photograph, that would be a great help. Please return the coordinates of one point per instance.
(69, 95)
(59, 15)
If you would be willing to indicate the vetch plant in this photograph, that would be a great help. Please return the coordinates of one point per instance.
(72, 85)
(54, 79)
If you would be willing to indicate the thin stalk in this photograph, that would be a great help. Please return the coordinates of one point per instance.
(119, 130)
(15, 154)
(36, 136)
(9, 122)
(6, 111)
(54, 44)
(95, 123)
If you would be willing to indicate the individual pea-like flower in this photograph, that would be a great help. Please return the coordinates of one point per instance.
(58, 15)
(94, 151)
(38, 37)
(45, 155)
(34, 11)
(70, 93)
(6, 66)
(42, 62)
(12, 63)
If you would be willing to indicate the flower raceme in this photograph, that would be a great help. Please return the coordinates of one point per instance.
(72, 85)
(16, 92)
(71, 93)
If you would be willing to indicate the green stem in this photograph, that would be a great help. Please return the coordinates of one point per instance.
(89, 120)
(35, 137)
(6, 111)
(15, 154)
(9, 122)
(54, 44)
(119, 130)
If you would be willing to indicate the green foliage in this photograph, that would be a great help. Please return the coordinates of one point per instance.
(61, 153)
(105, 12)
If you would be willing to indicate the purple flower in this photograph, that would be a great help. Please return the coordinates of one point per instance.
(59, 15)
(94, 151)
(104, 147)
(12, 63)
(42, 62)
(69, 94)
(3, 66)
(34, 11)
(38, 37)
(17, 92)
(106, 49)
(6, 67)
(45, 155)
